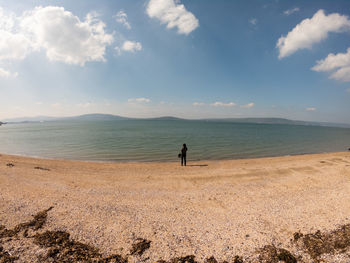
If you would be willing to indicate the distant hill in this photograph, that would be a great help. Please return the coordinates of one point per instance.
(96, 117)
(86, 117)
(30, 119)
(166, 118)
(110, 117)
(281, 121)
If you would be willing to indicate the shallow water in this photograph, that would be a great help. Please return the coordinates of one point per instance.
(161, 140)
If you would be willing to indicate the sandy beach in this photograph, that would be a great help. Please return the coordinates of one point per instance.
(252, 208)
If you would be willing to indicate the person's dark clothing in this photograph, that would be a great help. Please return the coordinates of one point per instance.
(183, 155)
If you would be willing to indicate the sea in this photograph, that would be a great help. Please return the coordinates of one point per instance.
(161, 140)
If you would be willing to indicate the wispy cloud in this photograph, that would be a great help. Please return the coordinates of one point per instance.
(291, 11)
(132, 46)
(84, 105)
(122, 18)
(173, 14)
(129, 46)
(198, 104)
(311, 31)
(248, 106)
(222, 104)
(253, 21)
(310, 109)
(7, 74)
(339, 64)
(56, 105)
(139, 100)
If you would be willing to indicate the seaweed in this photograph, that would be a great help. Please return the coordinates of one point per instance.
(41, 168)
(238, 259)
(140, 246)
(63, 249)
(5, 257)
(186, 259)
(35, 224)
(271, 254)
(318, 243)
(60, 247)
(211, 260)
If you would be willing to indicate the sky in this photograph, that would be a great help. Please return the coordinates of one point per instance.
(183, 58)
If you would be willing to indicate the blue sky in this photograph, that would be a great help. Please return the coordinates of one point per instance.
(188, 58)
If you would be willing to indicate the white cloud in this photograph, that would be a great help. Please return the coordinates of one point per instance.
(84, 105)
(131, 46)
(64, 36)
(122, 18)
(198, 104)
(291, 11)
(310, 109)
(14, 45)
(339, 63)
(253, 21)
(139, 100)
(7, 21)
(333, 61)
(7, 74)
(173, 14)
(61, 34)
(222, 104)
(248, 106)
(342, 74)
(311, 31)
(56, 105)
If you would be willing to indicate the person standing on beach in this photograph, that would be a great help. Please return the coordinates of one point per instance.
(183, 154)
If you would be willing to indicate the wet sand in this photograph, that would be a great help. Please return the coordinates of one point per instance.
(209, 208)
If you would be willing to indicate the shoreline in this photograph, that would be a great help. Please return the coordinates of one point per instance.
(165, 162)
(209, 208)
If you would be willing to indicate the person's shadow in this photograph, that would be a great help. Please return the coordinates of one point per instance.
(198, 165)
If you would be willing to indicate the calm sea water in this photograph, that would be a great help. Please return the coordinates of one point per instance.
(149, 140)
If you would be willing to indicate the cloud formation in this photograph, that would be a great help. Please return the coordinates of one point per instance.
(196, 104)
(7, 74)
(291, 11)
(222, 104)
(339, 64)
(122, 18)
(310, 109)
(64, 37)
(253, 21)
(248, 106)
(173, 14)
(131, 46)
(139, 100)
(60, 33)
(14, 45)
(128, 46)
(85, 105)
(311, 31)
